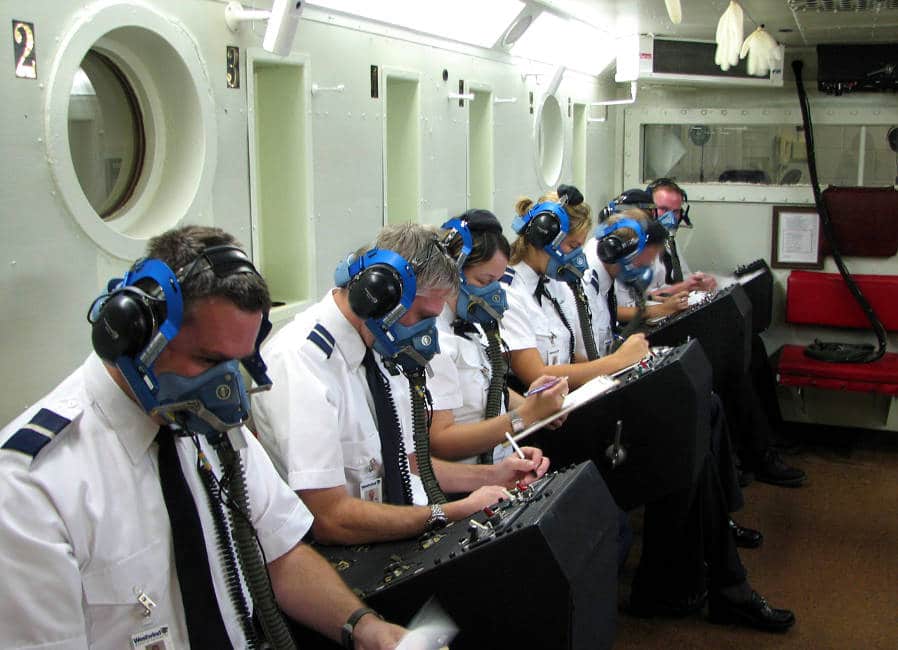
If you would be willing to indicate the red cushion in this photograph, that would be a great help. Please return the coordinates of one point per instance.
(796, 369)
(823, 299)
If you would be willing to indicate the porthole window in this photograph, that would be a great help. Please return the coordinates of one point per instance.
(106, 134)
(549, 138)
(131, 128)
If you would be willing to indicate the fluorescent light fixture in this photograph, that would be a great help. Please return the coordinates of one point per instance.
(568, 42)
(478, 22)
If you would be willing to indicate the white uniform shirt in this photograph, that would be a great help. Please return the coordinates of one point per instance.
(318, 421)
(659, 272)
(596, 284)
(85, 529)
(461, 377)
(527, 324)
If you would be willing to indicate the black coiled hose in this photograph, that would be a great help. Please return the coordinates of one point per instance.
(634, 325)
(840, 353)
(418, 387)
(583, 313)
(226, 551)
(254, 571)
(495, 394)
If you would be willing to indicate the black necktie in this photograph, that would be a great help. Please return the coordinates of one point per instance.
(538, 293)
(672, 263)
(397, 483)
(205, 627)
(612, 309)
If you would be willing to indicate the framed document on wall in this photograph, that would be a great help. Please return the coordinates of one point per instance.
(796, 238)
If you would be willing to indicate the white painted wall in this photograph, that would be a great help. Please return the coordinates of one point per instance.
(53, 269)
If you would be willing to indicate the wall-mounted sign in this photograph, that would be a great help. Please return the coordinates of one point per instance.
(23, 49)
(232, 64)
(796, 238)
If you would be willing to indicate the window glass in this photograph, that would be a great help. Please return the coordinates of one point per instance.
(106, 134)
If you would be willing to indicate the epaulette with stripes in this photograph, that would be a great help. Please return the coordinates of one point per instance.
(323, 339)
(594, 281)
(32, 437)
(508, 276)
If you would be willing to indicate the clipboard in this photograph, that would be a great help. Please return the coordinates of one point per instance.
(588, 392)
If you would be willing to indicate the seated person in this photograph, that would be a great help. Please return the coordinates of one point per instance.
(464, 387)
(752, 426)
(684, 530)
(329, 424)
(112, 528)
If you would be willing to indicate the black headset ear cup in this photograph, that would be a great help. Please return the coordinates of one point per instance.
(375, 292)
(124, 325)
(542, 229)
(612, 249)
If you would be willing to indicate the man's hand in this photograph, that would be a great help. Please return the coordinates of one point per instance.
(475, 502)
(703, 281)
(371, 633)
(513, 469)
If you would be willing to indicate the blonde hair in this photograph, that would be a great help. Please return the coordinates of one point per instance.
(579, 217)
(640, 216)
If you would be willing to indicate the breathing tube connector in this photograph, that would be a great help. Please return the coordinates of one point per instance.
(254, 571)
(418, 385)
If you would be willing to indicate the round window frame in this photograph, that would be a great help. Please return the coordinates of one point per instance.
(135, 171)
(548, 179)
(176, 180)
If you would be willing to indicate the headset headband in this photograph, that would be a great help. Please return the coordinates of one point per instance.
(521, 223)
(459, 226)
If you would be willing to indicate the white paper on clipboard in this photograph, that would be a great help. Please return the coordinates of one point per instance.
(575, 399)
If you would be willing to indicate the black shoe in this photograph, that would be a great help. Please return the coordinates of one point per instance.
(755, 612)
(745, 478)
(746, 537)
(774, 470)
(678, 608)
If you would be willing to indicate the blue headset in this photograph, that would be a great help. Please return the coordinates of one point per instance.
(613, 249)
(141, 313)
(475, 304)
(546, 225)
(381, 286)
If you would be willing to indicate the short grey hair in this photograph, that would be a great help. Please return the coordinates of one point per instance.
(421, 245)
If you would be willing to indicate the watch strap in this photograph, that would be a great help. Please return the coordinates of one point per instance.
(347, 632)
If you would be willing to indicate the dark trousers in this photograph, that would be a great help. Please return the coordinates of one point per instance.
(682, 533)
(752, 408)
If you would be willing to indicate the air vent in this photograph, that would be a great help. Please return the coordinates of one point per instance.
(663, 60)
(842, 5)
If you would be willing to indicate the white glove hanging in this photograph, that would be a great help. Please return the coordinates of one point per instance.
(729, 36)
(674, 11)
(763, 52)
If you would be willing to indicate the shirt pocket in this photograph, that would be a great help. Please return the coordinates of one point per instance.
(112, 593)
(361, 461)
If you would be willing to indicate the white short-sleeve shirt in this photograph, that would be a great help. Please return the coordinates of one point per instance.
(461, 376)
(527, 324)
(596, 284)
(318, 422)
(85, 530)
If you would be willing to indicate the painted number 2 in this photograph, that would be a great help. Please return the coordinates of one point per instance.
(23, 45)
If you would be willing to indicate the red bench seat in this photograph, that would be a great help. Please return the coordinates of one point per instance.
(796, 369)
(823, 299)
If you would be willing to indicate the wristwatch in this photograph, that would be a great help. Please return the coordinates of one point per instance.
(437, 518)
(517, 422)
(348, 630)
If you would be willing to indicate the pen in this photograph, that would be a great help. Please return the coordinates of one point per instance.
(514, 446)
(542, 387)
